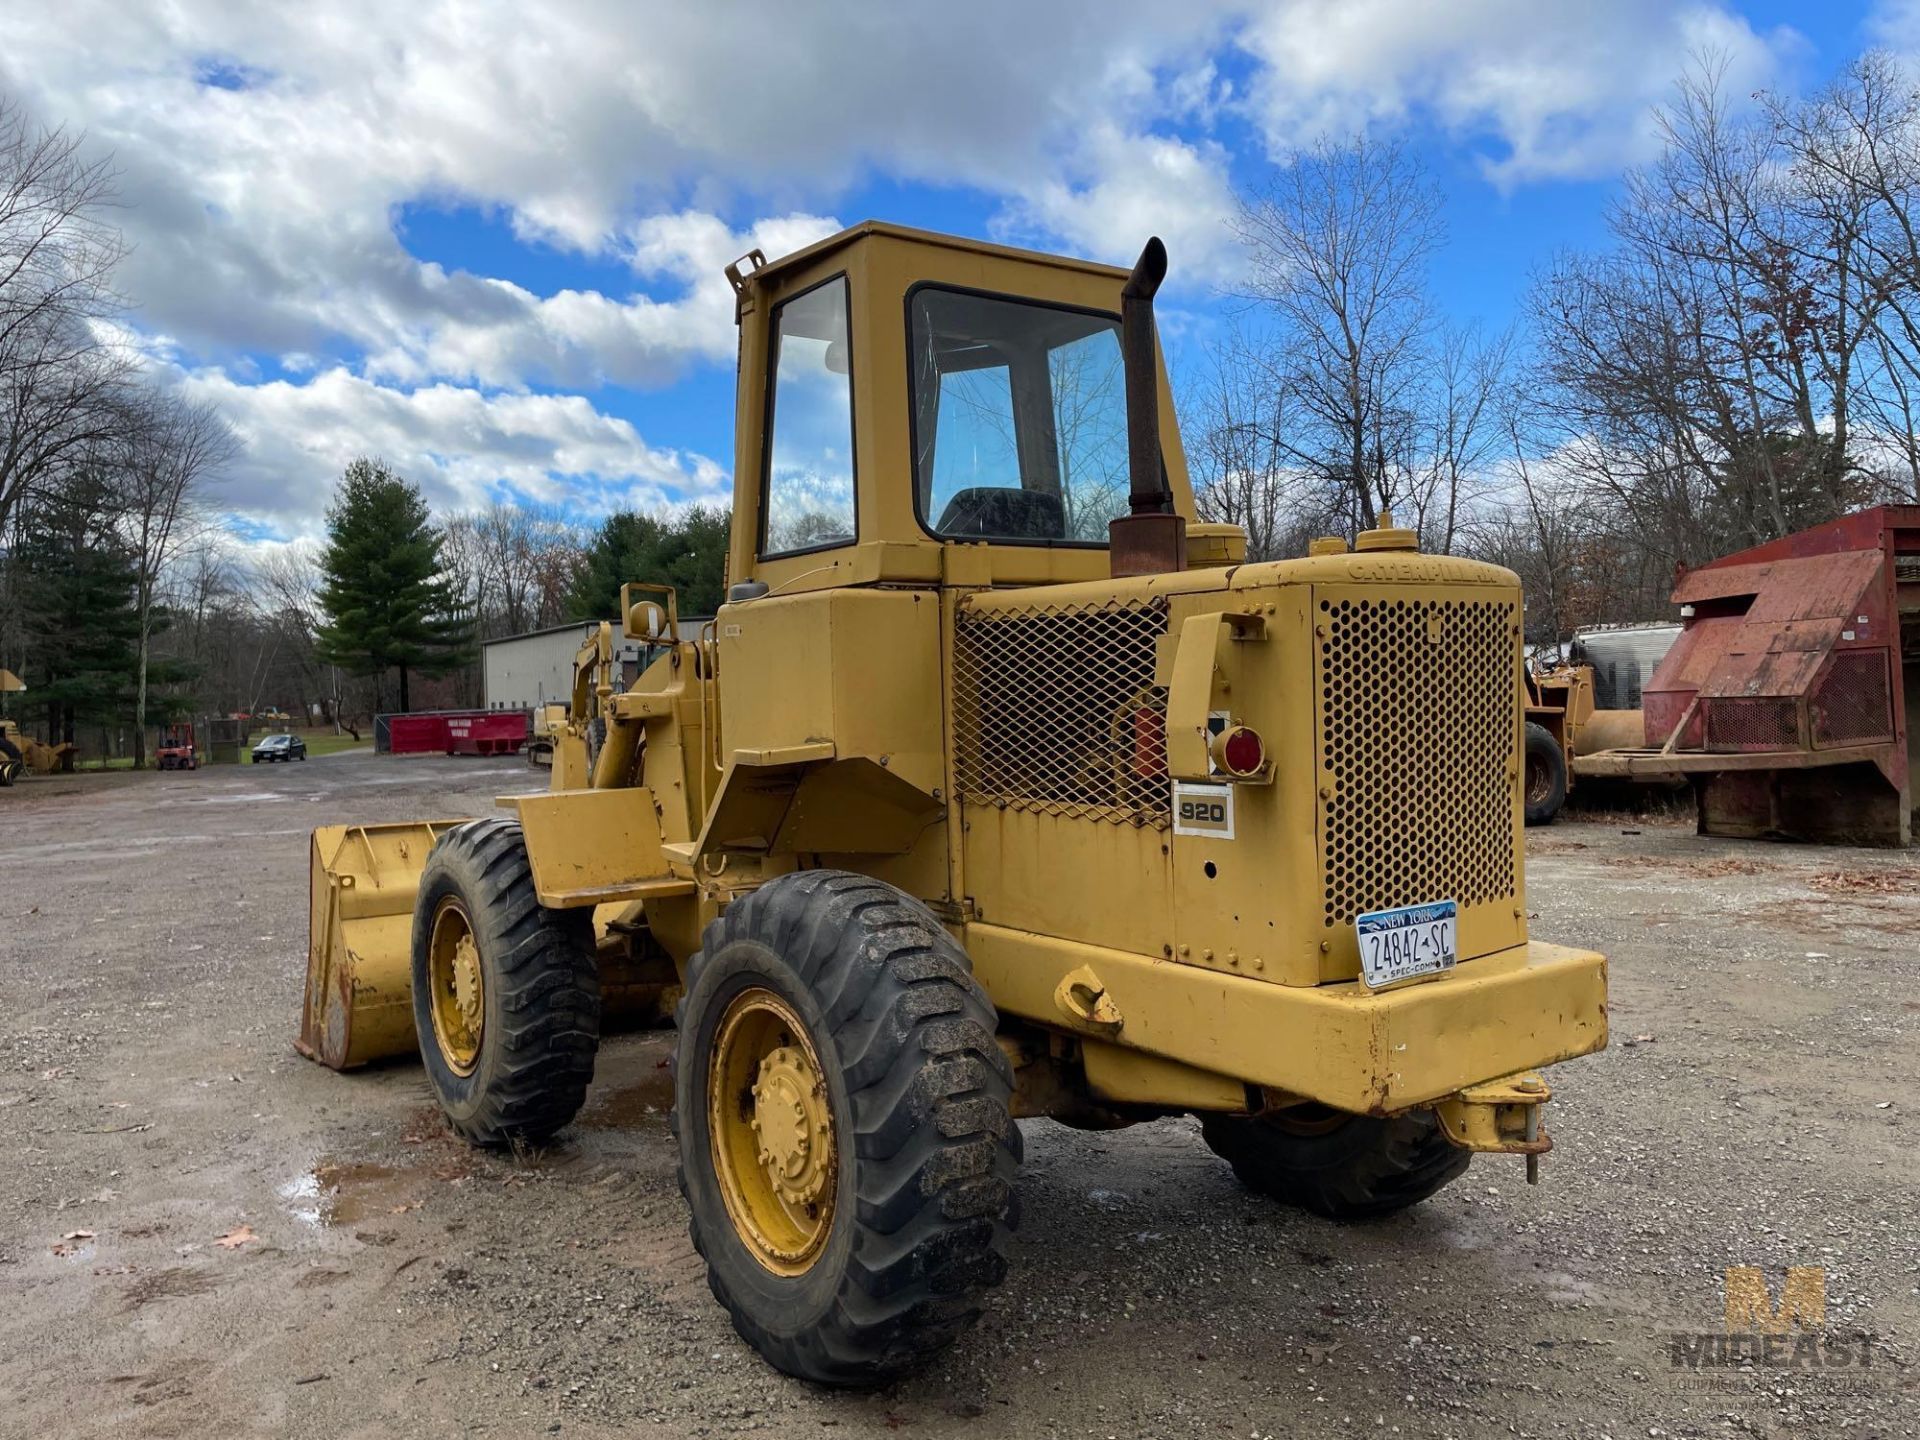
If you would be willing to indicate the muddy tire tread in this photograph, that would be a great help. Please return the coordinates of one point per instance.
(930, 1092)
(548, 986)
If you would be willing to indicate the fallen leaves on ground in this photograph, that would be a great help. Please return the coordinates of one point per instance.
(1867, 882)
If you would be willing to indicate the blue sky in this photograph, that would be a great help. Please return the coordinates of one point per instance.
(484, 241)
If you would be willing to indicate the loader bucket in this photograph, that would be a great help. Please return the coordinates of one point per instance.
(359, 1001)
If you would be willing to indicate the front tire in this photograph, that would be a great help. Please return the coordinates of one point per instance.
(842, 1112)
(506, 994)
(1345, 1167)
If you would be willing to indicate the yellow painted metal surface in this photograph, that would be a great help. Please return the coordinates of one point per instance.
(882, 263)
(775, 1155)
(456, 988)
(801, 800)
(589, 847)
(1499, 1116)
(1372, 1053)
(359, 995)
(1123, 1076)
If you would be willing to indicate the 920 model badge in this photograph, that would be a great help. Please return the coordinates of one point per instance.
(1203, 810)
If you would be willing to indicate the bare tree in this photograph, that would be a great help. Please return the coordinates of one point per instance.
(513, 542)
(1338, 243)
(1461, 431)
(286, 588)
(1239, 419)
(171, 448)
(1735, 366)
(1854, 151)
(58, 251)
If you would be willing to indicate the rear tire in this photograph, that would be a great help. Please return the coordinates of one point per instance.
(1545, 775)
(1353, 1167)
(507, 1029)
(883, 1264)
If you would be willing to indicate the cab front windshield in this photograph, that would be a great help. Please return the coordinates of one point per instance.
(1020, 419)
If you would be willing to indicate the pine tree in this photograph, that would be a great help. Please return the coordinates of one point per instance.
(82, 630)
(688, 552)
(384, 594)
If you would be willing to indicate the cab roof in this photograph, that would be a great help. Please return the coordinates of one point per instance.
(881, 228)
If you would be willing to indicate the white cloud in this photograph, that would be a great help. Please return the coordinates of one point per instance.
(459, 444)
(496, 333)
(268, 153)
(1131, 186)
(263, 215)
(1565, 90)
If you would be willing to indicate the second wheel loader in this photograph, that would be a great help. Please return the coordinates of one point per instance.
(999, 787)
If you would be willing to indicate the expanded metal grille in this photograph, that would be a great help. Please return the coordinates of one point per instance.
(1853, 703)
(1764, 723)
(1056, 711)
(1418, 728)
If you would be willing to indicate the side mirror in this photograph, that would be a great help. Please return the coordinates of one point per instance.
(645, 619)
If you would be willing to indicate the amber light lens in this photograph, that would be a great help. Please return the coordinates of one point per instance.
(1242, 752)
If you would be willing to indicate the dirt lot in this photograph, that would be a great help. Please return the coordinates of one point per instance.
(202, 1234)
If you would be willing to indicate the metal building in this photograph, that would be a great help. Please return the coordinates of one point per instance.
(524, 672)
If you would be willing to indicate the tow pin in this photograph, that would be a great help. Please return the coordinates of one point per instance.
(1532, 1086)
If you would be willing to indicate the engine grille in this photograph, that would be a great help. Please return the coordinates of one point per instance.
(1762, 723)
(1055, 711)
(1419, 733)
(1853, 703)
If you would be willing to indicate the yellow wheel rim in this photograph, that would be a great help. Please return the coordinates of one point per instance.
(770, 1126)
(456, 988)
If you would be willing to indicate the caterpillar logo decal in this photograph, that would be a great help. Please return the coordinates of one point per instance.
(1203, 810)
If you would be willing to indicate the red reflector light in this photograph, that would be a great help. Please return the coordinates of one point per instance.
(1242, 752)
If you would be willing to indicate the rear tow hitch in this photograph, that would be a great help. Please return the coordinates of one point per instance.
(1500, 1117)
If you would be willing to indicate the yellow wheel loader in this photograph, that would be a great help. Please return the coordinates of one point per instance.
(21, 754)
(999, 787)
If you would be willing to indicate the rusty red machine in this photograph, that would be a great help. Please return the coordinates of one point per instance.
(177, 749)
(1784, 701)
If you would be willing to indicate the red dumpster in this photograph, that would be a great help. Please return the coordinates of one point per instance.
(487, 732)
(418, 734)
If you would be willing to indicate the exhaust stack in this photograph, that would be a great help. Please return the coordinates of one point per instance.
(1150, 539)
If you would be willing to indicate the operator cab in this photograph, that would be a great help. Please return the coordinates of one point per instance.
(905, 395)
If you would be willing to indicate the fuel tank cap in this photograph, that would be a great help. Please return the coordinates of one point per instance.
(1387, 537)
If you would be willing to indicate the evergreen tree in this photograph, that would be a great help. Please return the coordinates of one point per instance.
(688, 552)
(385, 598)
(76, 586)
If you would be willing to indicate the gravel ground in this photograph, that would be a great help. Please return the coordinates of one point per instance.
(202, 1234)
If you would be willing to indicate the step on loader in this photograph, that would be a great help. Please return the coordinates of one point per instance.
(1000, 787)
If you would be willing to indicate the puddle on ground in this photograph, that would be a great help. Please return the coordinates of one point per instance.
(627, 1107)
(349, 1192)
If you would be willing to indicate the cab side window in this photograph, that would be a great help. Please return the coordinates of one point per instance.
(809, 486)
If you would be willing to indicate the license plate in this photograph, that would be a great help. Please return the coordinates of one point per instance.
(1413, 940)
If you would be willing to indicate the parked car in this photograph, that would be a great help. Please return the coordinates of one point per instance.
(280, 747)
